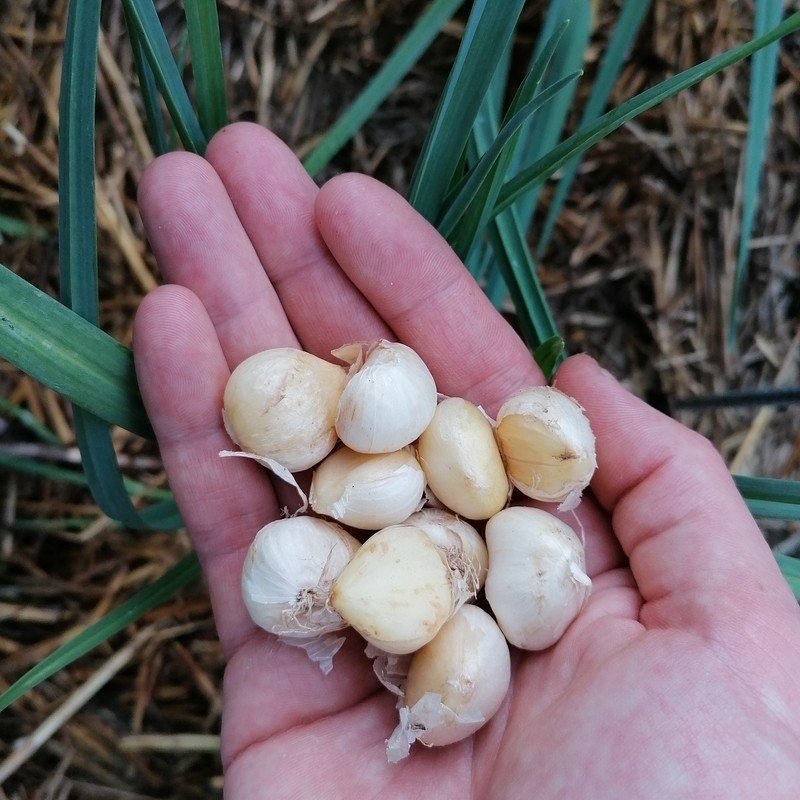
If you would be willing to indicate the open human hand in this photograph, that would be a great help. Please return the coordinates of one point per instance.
(679, 677)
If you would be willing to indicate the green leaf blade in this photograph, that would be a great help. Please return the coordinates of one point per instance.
(548, 355)
(60, 349)
(544, 131)
(78, 244)
(614, 119)
(489, 29)
(209, 76)
(514, 263)
(29, 421)
(394, 69)
(183, 573)
(481, 173)
(146, 26)
(762, 89)
(771, 498)
(622, 38)
(463, 226)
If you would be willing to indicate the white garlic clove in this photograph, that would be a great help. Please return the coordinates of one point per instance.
(281, 404)
(397, 591)
(388, 402)
(537, 581)
(547, 445)
(368, 491)
(289, 572)
(455, 683)
(461, 460)
(466, 551)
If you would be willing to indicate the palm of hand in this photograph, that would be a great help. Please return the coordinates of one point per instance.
(676, 678)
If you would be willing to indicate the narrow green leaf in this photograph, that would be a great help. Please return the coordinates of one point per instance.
(143, 19)
(18, 229)
(496, 289)
(762, 89)
(78, 250)
(209, 77)
(612, 120)
(388, 77)
(183, 573)
(772, 498)
(513, 259)
(467, 225)
(765, 509)
(489, 29)
(77, 225)
(622, 38)
(27, 420)
(790, 567)
(475, 180)
(479, 260)
(65, 352)
(44, 469)
(771, 489)
(508, 261)
(548, 354)
(154, 119)
(544, 130)
(107, 484)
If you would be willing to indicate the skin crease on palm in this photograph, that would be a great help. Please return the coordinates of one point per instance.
(679, 678)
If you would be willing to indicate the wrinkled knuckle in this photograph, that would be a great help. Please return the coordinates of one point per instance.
(704, 453)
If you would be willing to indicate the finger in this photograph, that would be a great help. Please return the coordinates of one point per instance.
(418, 285)
(199, 243)
(695, 551)
(274, 199)
(182, 374)
(272, 687)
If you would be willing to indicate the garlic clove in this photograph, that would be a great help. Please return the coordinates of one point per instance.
(388, 402)
(368, 491)
(454, 684)
(537, 581)
(461, 460)
(289, 572)
(547, 445)
(397, 590)
(281, 404)
(464, 547)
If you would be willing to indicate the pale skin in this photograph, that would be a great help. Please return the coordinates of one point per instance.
(679, 678)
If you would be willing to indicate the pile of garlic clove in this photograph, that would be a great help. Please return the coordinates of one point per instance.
(393, 458)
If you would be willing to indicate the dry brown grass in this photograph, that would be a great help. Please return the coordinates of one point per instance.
(639, 274)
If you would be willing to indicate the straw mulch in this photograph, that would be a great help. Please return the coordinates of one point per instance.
(639, 274)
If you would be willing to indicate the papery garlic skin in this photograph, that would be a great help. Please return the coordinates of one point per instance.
(368, 491)
(289, 572)
(397, 591)
(547, 445)
(455, 683)
(537, 581)
(282, 404)
(388, 402)
(462, 461)
(460, 540)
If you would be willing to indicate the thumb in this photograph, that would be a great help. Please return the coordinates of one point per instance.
(695, 551)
